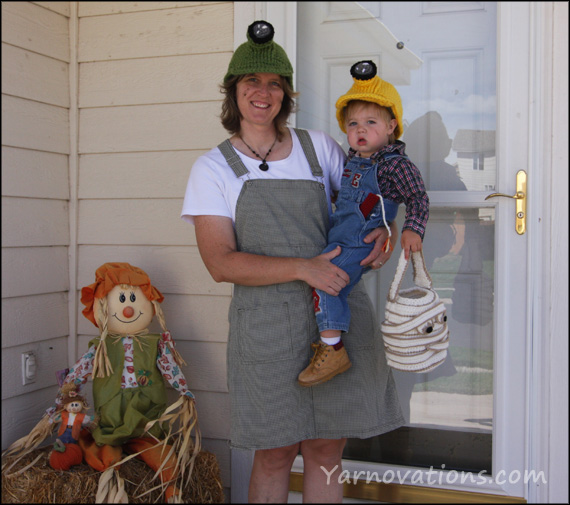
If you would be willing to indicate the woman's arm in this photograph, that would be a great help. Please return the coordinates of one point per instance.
(217, 245)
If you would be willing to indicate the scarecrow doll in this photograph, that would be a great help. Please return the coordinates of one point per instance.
(72, 418)
(128, 365)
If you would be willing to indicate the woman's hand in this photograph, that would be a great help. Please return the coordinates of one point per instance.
(320, 273)
(377, 257)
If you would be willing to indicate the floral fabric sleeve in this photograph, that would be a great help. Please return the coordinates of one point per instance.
(168, 367)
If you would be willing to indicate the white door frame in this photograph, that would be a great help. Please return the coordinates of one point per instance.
(527, 27)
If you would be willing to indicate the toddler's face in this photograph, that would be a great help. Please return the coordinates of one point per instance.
(367, 129)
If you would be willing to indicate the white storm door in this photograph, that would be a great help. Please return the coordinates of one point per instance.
(462, 71)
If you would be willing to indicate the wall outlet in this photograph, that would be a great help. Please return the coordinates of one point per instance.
(29, 367)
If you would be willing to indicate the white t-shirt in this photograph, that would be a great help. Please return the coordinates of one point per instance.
(213, 189)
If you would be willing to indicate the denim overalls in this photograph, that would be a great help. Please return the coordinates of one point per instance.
(349, 227)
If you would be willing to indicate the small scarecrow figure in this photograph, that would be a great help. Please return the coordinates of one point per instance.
(66, 451)
(128, 365)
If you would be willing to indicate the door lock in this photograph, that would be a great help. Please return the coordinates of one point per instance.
(520, 197)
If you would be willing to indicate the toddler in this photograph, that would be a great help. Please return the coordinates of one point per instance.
(377, 177)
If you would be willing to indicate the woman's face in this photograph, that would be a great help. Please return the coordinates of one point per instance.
(259, 98)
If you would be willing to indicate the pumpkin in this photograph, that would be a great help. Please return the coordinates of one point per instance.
(64, 460)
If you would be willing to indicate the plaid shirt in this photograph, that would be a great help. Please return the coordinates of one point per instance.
(400, 180)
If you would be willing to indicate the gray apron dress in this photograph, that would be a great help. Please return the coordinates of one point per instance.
(272, 327)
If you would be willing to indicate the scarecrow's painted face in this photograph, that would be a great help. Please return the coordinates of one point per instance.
(74, 407)
(129, 310)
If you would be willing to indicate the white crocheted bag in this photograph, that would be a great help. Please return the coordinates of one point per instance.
(415, 330)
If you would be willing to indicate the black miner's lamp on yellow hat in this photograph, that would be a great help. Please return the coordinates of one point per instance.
(260, 54)
(370, 88)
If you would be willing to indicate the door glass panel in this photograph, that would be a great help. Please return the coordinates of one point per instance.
(449, 411)
(441, 57)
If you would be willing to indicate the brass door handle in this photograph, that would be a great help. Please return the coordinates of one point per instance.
(520, 197)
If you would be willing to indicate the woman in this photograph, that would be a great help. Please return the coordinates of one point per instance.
(260, 203)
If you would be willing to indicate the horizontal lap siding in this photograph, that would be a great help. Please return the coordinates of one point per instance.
(34, 174)
(197, 29)
(176, 270)
(30, 75)
(17, 320)
(34, 222)
(137, 174)
(35, 207)
(166, 127)
(184, 78)
(149, 106)
(39, 126)
(36, 29)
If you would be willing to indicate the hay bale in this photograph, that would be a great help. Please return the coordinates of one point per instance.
(42, 484)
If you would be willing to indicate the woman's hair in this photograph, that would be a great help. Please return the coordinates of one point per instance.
(231, 115)
(385, 112)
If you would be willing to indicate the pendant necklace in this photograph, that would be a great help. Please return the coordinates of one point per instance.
(263, 165)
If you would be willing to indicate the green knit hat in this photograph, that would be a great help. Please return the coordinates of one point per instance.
(260, 54)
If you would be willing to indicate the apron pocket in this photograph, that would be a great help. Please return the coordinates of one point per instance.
(265, 333)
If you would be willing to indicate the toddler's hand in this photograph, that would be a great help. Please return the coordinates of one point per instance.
(411, 242)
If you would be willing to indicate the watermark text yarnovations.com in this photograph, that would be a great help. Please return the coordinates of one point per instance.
(433, 477)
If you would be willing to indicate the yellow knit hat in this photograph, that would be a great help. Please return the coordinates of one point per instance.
(370, 88)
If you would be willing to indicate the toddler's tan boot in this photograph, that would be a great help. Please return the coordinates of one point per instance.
(325, 364)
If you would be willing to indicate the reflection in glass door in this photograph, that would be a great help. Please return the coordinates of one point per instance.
(441, 56)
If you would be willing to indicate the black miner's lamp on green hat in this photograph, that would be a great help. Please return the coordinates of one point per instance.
(260, 54)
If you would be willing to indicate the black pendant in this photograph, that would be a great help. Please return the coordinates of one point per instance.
(264, 166)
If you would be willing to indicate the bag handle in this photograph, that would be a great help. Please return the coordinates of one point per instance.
(421, 275)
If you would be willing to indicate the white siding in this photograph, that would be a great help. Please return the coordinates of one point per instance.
(148, 105)
(35, 206)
